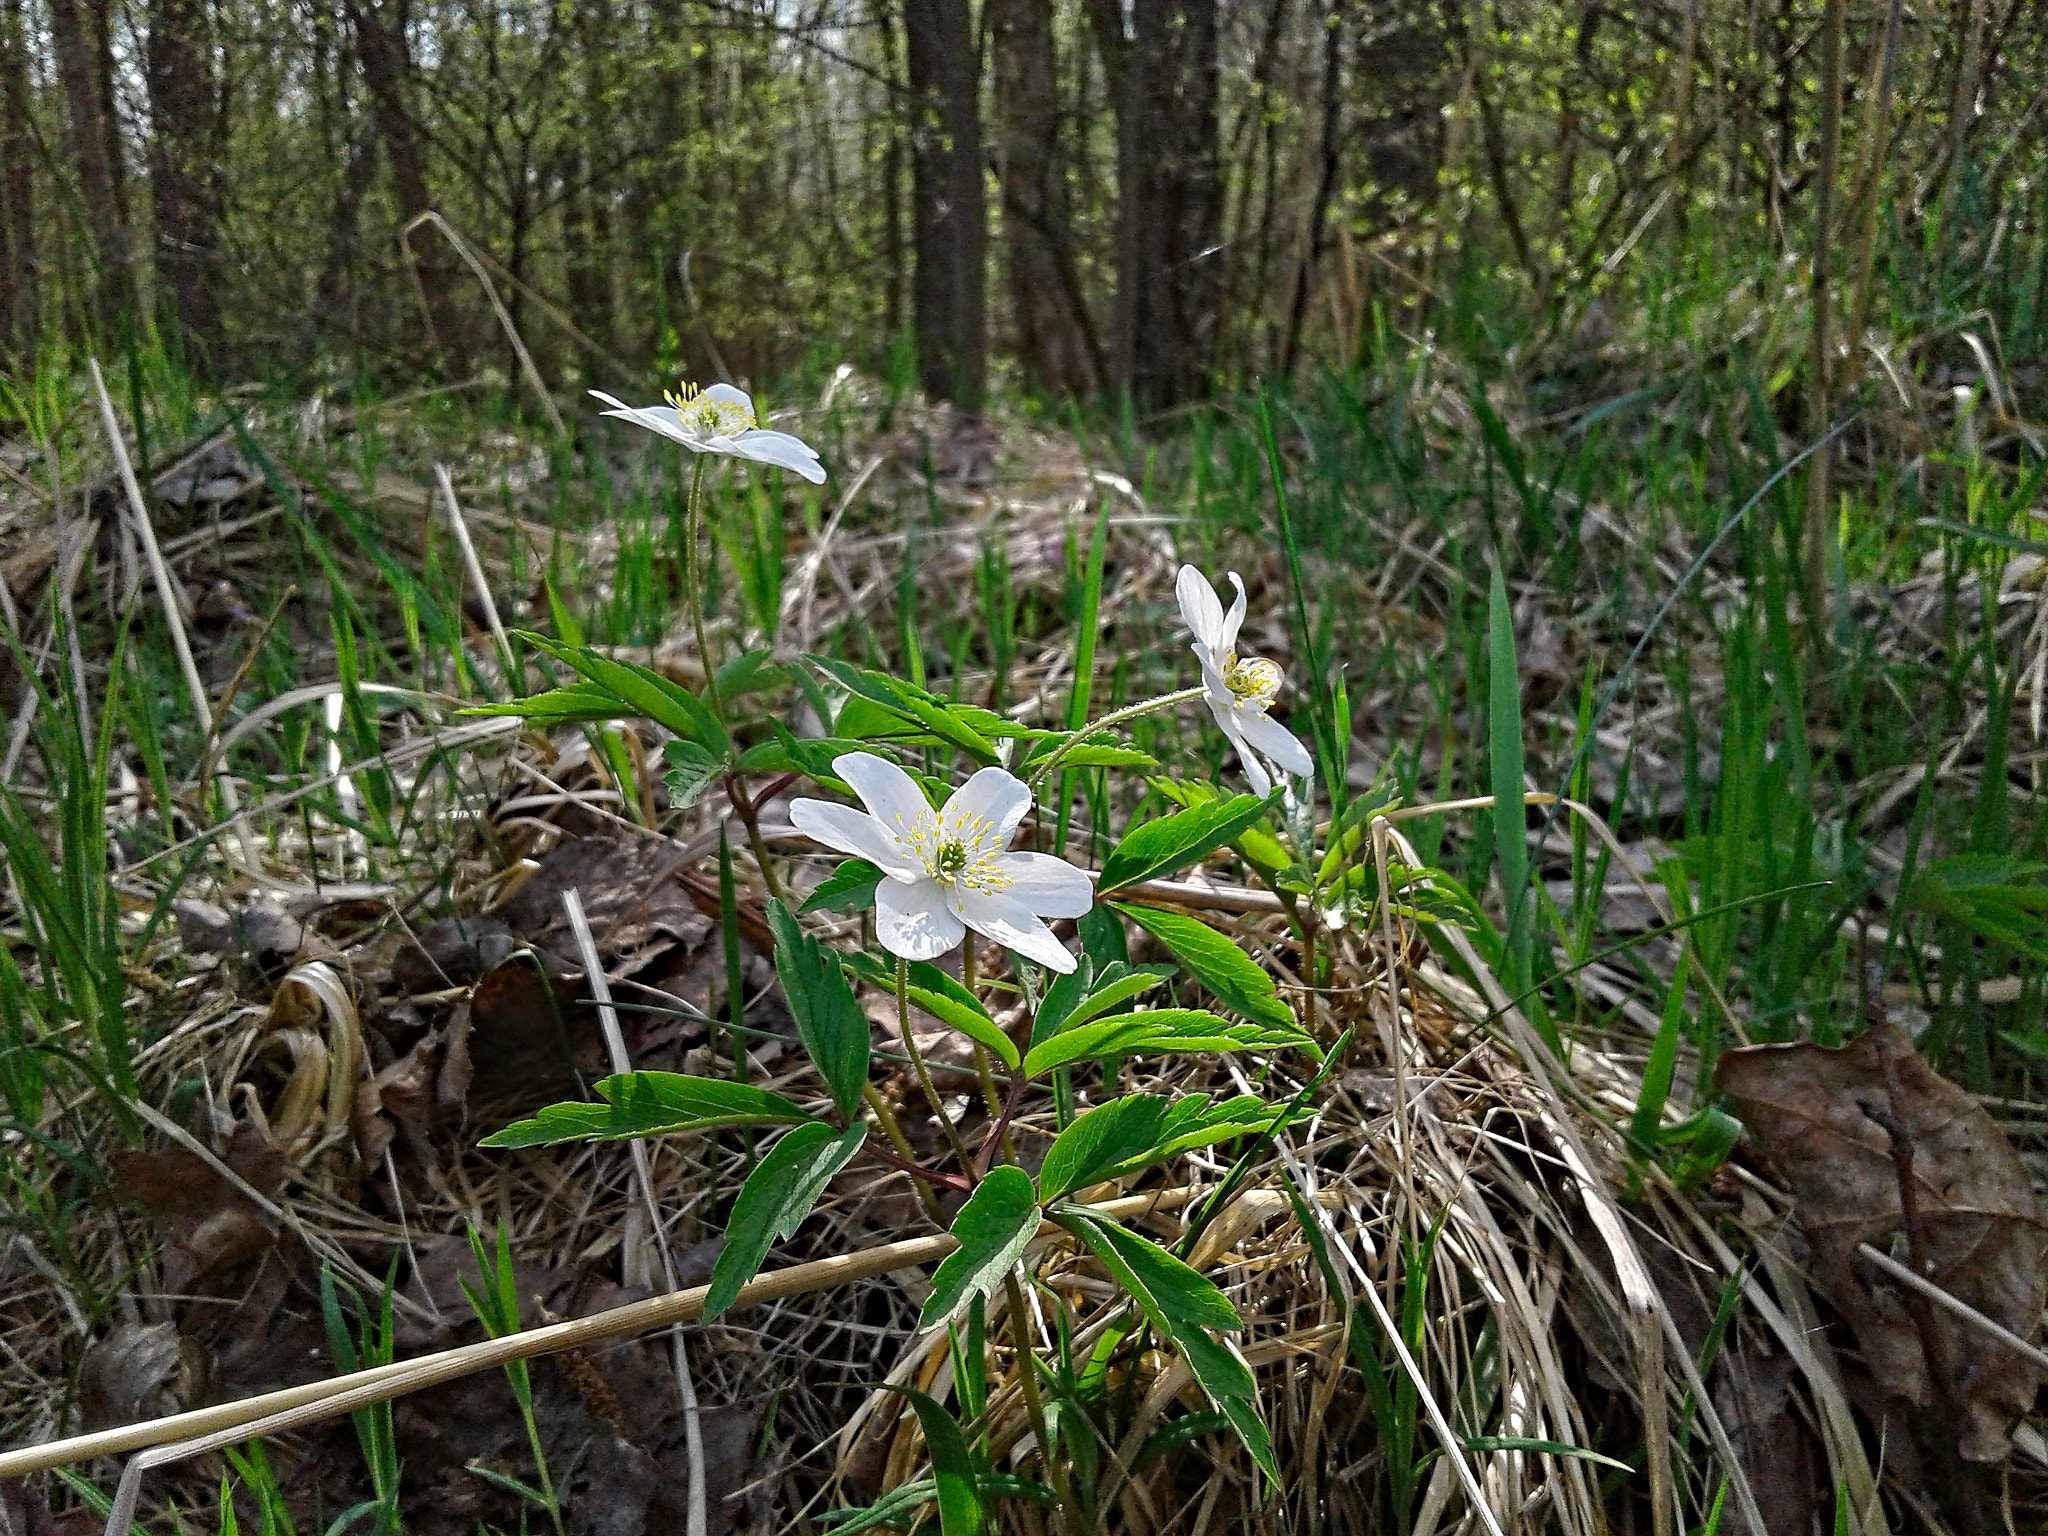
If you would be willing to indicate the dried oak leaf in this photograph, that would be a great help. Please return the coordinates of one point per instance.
(212, 1226)
(1984, 1227)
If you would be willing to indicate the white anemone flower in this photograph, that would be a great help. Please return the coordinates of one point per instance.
(1239, 690)
(719, 419)
(948, 870)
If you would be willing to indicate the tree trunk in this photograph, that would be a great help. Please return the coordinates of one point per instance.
(84, 63)
(184, 154)
(1055, 340)
(1162, 71)
(18, 287)
(950, 206)
(585, 222)
(387, 72)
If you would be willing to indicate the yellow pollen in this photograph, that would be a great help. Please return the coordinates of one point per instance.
(713, 418)
(962, 854)
(1252, 679)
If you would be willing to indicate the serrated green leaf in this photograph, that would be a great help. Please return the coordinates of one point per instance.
(749, 672)
(828, 1016)
(1117, 983)
(1164, 1031)
(811, 756)
(1061, 998)
(1139, 1129)
(574, 702)
(1167, 843)
(910, 704)
(1227, 971)
(691, 770)
(652, 1104)
(953, 1471)
(943, 998)
(849, 888)
(777, 1196)
(999, 1219)
(644, 692)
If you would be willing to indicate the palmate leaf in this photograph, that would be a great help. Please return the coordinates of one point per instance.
(828, 1016)
(811, 756)
(652, 1104)
(1227, 971)
(777, 1196)
(1169, 843)
(999, 1219)
(1085, 993)
(1141, 1129)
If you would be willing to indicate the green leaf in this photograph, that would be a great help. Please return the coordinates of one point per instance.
(1181, 1304)
(1106, 755)
(943, 998)
(1162, 1032)
(1141, 1129)
(652, 1104)
(1546, 1447)
(749, 672)
(692, 770)
(811, 756)
(849, 888)
(1062, 997)
(911, 704)
(777, 1196)
(1995, 895)
(893, 1509)
(1168, 843)
(1117, 984)
(995, 1224)
(646, 693)
(1218, 964)
(953, 1472)
(828, 1016)
(1510, 814)
(573, 703)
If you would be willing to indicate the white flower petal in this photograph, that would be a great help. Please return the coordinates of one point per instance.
(886, 790)
(731, 394)
(655, 418)
(1254, 770)
(1233, 620)
(998, 797)
(1049, 886)
(1273, 740)
(1012, 925)
(1199, 608)
(781, 450)
(913, 919)
(854, 832)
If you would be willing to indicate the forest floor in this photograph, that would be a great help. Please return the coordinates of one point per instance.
(286, 940)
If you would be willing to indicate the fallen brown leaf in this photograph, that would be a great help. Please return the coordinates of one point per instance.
(1983, 1225)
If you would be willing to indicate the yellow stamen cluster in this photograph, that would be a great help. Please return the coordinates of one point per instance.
(1252, 680)
(713, 418)
(963, 854)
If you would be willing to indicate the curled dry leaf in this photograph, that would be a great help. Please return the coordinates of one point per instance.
(1984, 1229)
(314, 1019)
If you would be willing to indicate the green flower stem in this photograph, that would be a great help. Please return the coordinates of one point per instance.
(893, 1129)
(924, 1076)
(693, 582)
(1114, 717)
